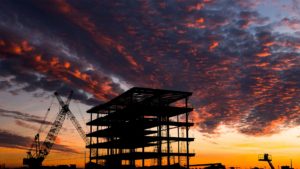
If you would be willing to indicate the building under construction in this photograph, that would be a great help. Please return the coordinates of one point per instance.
(141, 128)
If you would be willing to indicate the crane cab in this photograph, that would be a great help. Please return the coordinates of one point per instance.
(33, 162)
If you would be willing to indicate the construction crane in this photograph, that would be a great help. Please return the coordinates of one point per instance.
(267, 158)
(38, 151)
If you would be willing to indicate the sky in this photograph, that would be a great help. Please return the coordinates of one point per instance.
(240, 58)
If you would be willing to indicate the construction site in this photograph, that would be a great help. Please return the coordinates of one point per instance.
(136, 127)
(141, 128)
(150, 84)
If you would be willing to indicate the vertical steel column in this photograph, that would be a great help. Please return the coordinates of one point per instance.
(143, 148)
(97, 154)
(107, 138)
(111, 139)
(132, 160)
(168, 141)
(178, 135)
(159, 135)
(187, 134)
(143, 162)
(159, 160)
(132, 149)
(91, 130)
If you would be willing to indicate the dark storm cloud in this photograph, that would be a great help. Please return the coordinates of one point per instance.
(243, 72)
(11, 140)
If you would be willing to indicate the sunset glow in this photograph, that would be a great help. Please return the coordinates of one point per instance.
(240, 59)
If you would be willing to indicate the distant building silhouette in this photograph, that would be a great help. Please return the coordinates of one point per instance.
(209, 166)
(143, 127)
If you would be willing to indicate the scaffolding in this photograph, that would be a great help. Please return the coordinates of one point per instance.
(141, 128)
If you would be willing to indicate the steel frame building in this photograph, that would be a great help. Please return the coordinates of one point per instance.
(140, 128)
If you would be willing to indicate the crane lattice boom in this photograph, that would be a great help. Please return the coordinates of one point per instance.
(53, 132)
(35, 159)
(71, 116)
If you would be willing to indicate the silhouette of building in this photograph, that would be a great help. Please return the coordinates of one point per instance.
(209, 166)
(141, 128)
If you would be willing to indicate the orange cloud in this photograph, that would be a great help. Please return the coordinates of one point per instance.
(16, 49)
(268, 44)
(197, 7)
(264, 53)
(38, 58)
(103, 40)
(67, 65)
(54, 61)
(213, 45)
(62, 70)
(200, 20)
(193, 25)
(198, 24)
(26, 47)
(2, 43)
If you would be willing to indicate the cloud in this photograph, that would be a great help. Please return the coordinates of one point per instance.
(4, 85)
(11, 140)
(14, 141)
(291, 23)
(34, 74)
(26, 120)
(26, 125)
(23, 116)
(243, 71)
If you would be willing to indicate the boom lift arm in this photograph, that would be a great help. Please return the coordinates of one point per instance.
(267, 158)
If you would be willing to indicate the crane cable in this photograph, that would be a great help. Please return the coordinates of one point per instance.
(81, 115)
(43, 122)
(46, 115)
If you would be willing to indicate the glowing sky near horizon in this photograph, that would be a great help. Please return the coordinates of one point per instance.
(239, 58)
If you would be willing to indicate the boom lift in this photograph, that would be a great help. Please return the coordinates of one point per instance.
(266, 157)
(35, 157)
